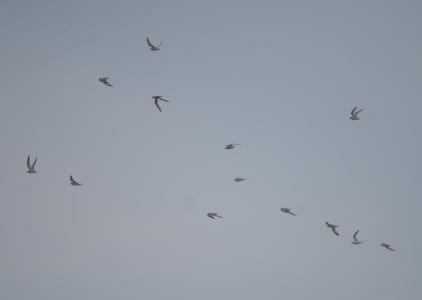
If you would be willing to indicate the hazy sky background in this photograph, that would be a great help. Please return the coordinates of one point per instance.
(279, 77)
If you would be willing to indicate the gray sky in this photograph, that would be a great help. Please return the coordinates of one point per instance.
(279, 77)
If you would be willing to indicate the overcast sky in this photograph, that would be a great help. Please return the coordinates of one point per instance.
(278, 77)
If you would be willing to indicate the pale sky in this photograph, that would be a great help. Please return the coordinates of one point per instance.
(278, 77)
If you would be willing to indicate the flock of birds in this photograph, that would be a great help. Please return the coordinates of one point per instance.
(213, 215)
(354, 116)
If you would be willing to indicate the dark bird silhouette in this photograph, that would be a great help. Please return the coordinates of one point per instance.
(73, 181)
(213, 215)
(332, 227)
(105, 81)
(231, 146)
(31, 167)
(287, 211)
(356, 241)
(239, 179)
(387, 246)
(355, 113)
(156, 98)
(152, 47)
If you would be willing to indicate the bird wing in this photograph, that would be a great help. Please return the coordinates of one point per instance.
(150, 44)
(355, 235)
(72, 180)
(335, 231)
(353, 111)
(360, 110)
(156, 104)
(159, 45)
(28, 162)
(164, 99)
(33, 164)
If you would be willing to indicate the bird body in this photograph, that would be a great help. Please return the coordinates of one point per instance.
(31, 167)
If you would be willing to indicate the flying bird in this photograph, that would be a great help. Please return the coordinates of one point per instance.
(332, 227)
(355, 113)
(105, 81)
(156, 98)
(356, 241)
(31, 167)
(231, 146)
(73, 181)
(239, 179)
(152, 47)
(287, 211)
(387, 246)
(213, 215)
